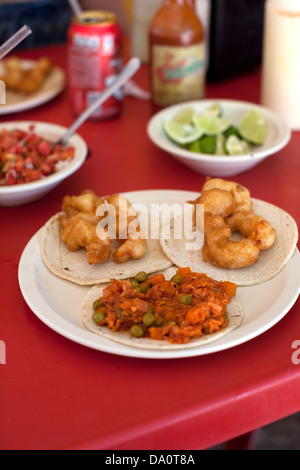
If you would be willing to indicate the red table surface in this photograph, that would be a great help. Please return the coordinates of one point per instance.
(57, 394)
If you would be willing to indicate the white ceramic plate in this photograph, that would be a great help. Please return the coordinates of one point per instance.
(52, 86)
(277, 136)
(15, 195)
(49, 298)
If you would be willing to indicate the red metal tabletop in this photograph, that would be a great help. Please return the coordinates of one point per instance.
(58, 394)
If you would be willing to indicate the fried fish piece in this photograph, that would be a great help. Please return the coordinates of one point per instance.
(87, 201)
(79, 224)
(131, 247)
(80, 230)
(81, 227)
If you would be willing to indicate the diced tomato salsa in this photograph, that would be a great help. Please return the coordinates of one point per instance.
(26, 156)
(188, 306)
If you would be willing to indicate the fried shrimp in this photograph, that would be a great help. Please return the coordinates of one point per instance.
(123, 214)
(221, 251)
(240, 193)
(253, 226)
(79, 230)
(228, 209)
(133, 248)
(81, 227)
(88, 201)
(217, 202)
(26, 80)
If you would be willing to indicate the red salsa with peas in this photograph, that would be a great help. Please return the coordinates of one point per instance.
(187, 306)
(25, 156)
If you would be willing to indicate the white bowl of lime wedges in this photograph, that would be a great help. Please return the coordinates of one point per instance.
(219, 137)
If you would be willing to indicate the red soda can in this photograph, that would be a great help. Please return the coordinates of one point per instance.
(94, 61)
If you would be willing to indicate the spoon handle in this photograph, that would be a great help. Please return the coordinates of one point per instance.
(129, 70)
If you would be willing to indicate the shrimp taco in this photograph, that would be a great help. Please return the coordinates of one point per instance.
(173, 309)
(80, 244)
(246, 241)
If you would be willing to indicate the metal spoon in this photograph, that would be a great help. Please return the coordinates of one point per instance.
(129, 70)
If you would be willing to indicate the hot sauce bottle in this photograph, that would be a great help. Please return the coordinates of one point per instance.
(177, 54)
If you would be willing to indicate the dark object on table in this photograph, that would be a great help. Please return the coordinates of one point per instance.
(48, 20)
(235, 37)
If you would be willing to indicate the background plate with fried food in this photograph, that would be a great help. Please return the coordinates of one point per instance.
(17, 102)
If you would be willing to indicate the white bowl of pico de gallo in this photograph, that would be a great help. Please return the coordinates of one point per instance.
(31, 161)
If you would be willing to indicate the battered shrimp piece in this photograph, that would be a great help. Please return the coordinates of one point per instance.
(79, 230)
(124, 214)
(253, 226)
(31, 82)
(217, 202)
(13, 73)
(221, 251)
(88, 201)
(24, 80)
(44, 65)
(240, 193)
(34, 78)
(133, 248)
(81, 227)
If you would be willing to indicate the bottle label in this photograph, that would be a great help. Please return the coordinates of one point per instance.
(178, 73)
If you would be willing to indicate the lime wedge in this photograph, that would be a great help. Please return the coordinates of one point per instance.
(181, 133)
(232, 130)
(208, 144)
(253, 127)
(220, 145)
(184, 116)
(235, 146)
(195, 146)
(213, 110)
(210, 125)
